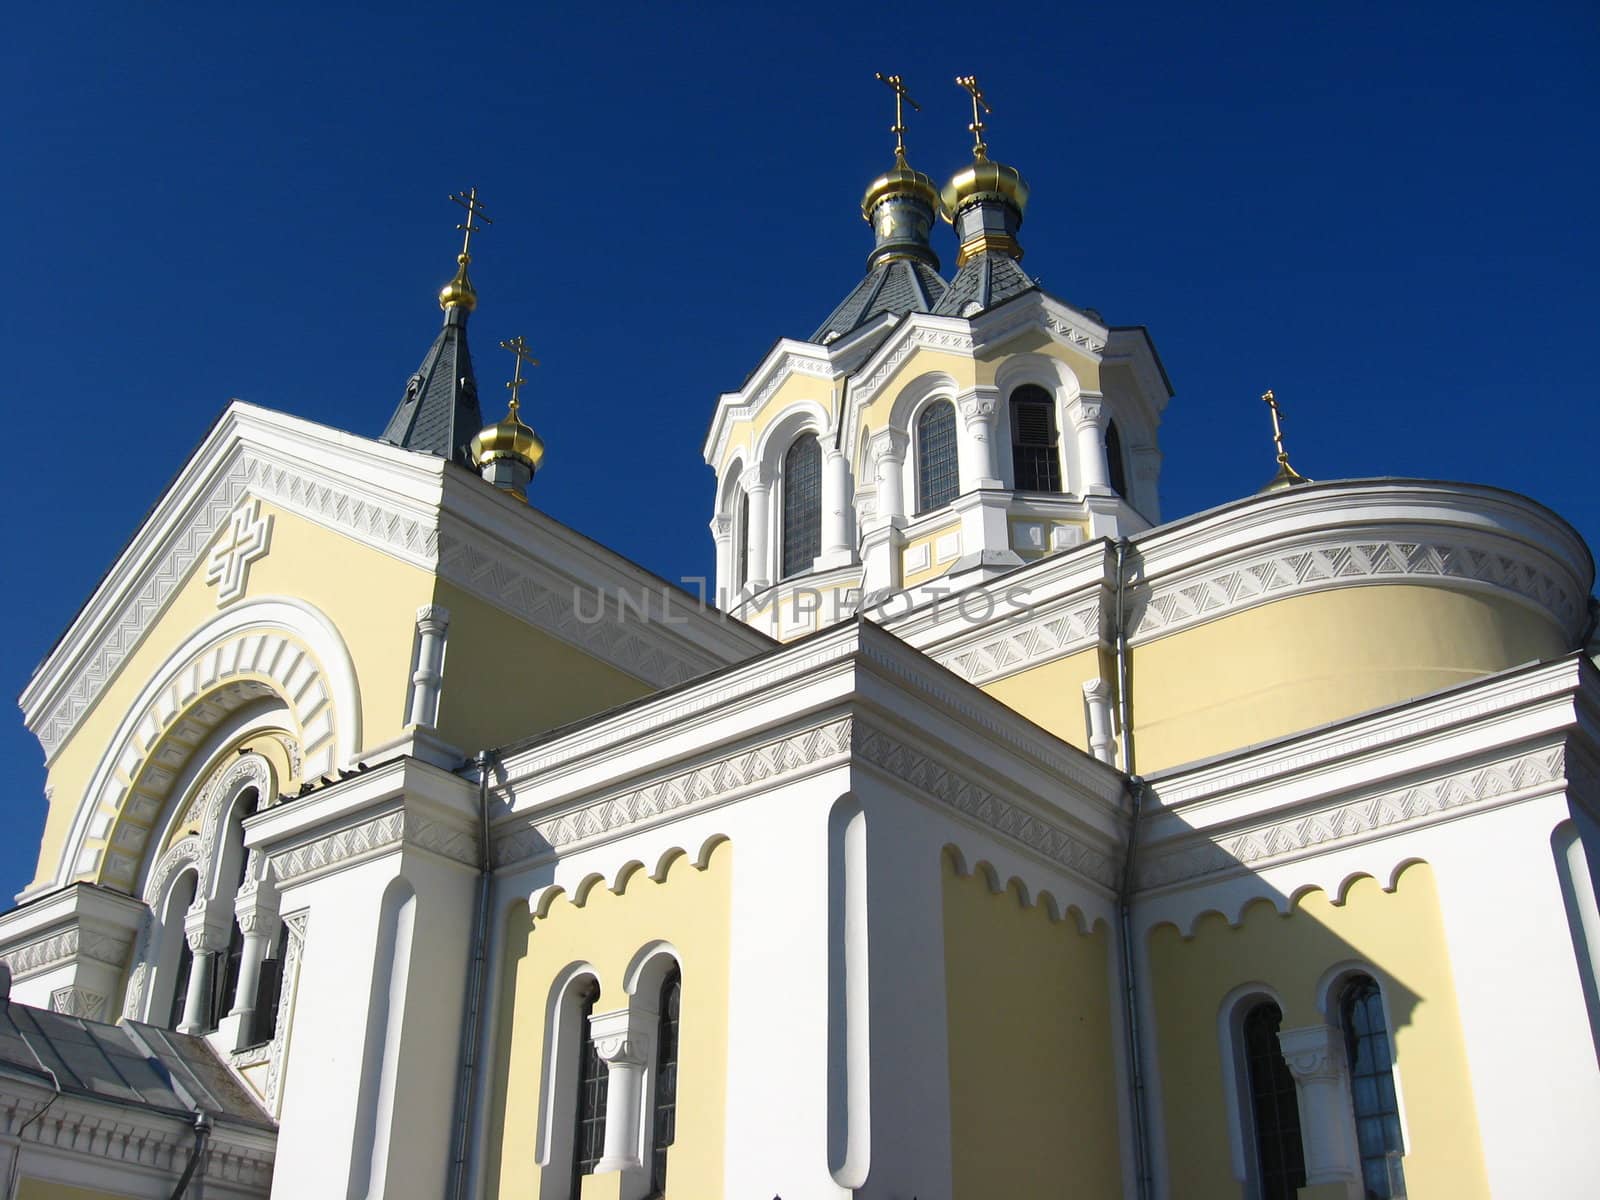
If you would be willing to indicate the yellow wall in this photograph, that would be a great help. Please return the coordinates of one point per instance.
(1051, 695)
(1400, 935)
(690, 909)
(504, 679)
(1032, 1077)
(1307, 660)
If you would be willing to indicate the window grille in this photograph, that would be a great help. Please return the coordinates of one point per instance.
(1372, 1089)
(1116, 468)
(589, 1134)
(938, 482)
(1274, 1107)
(1035, 462)
(802, 505)
(665, 1127)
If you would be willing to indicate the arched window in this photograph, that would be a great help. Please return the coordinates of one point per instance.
(1274, 1108)
(938, 482)
(665, 1125)
(226, 979)
(589, 1130)
(1372, 1088)
(1116, 468)
(1035, 461)
(182, 958)
(802, 505)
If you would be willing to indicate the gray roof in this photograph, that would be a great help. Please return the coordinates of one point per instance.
(131, 1063)
(985, 280)
(439, 414)
(898, 286)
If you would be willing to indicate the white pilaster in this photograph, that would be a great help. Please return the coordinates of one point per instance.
(426, 681)
(207, 932)
(722, 537)
(1097, 699)
(889, 456)
(256, 910)
(622, 1039)
(978, 439)
(1316, 1058)
(1087, 414)
(837, 512)
(758, 569)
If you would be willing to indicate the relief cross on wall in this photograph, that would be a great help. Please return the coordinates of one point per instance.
(243, 541)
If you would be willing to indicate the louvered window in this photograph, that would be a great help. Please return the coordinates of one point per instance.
(1035, 461)
(1372, 1089)
(802, 505)
(1116, 468)
(937, 477)
(665, 1127)
(1274, 1107)
(589, 1133)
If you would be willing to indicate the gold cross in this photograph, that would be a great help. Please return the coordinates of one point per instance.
(979, 107)
(470, 202)
(1286, 473)
(901, 97)
(518, 346)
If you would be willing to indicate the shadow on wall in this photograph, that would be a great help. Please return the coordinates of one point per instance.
(1309, 961)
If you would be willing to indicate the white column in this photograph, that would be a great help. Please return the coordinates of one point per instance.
(722, 536)
(1087, 414)
(889, 455)
(256, 910)
(758, 571)
(622, 1040)
(837, 547)
(1316, 1058)
(206, 937)
(979, 445)
(1097, 699)
(432, 622)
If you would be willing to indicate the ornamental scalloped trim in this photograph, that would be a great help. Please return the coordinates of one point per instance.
(1417, 804)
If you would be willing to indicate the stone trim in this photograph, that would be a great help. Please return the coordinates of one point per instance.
(354, 843)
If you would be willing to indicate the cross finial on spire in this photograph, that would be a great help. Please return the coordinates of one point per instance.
(519, 347)
(1287, 475)
(901, 98)
(979, 106)
(469, 201)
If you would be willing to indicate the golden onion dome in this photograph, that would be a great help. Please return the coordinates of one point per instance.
(981, 179)
(458, 293)
(899, 180)
(507, 438)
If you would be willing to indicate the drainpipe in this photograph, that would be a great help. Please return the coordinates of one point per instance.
(202, 1130)
(1130, 978)
(475, 974)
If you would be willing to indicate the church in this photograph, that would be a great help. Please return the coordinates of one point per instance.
(988, 833)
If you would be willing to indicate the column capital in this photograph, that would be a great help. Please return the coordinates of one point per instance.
(890, 444)
(721, 527)
(1313, 1052)
(755, 478)
(1097, 689)
(206, 926)
(433, 618)
(979, 405)
(621, 1037)
(1086, 408)
(255, 907)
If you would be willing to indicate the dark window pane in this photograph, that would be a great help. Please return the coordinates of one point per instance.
(802, 505)
(937, 480)
(1372, 1088)
(666, 1099)
(1116, 468)
(741, 546)
(1280, 1156)
(589, 1136)
(180, 982)
(1035, 463)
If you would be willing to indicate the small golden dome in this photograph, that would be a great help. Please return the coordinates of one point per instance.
(508, 438)
(983, 178)
(899, 180)
(458, 293)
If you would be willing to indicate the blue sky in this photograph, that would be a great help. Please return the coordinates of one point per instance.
(1384, 212)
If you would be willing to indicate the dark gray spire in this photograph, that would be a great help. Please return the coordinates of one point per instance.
(439, 414)
(981, 282)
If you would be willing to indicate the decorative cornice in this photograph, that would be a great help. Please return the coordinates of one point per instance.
(1192, 597)
(386, 831)
(940, 781)
(1016, 646)
(912, 336)
(1342, 823)
(696, 788)
(67, 946)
